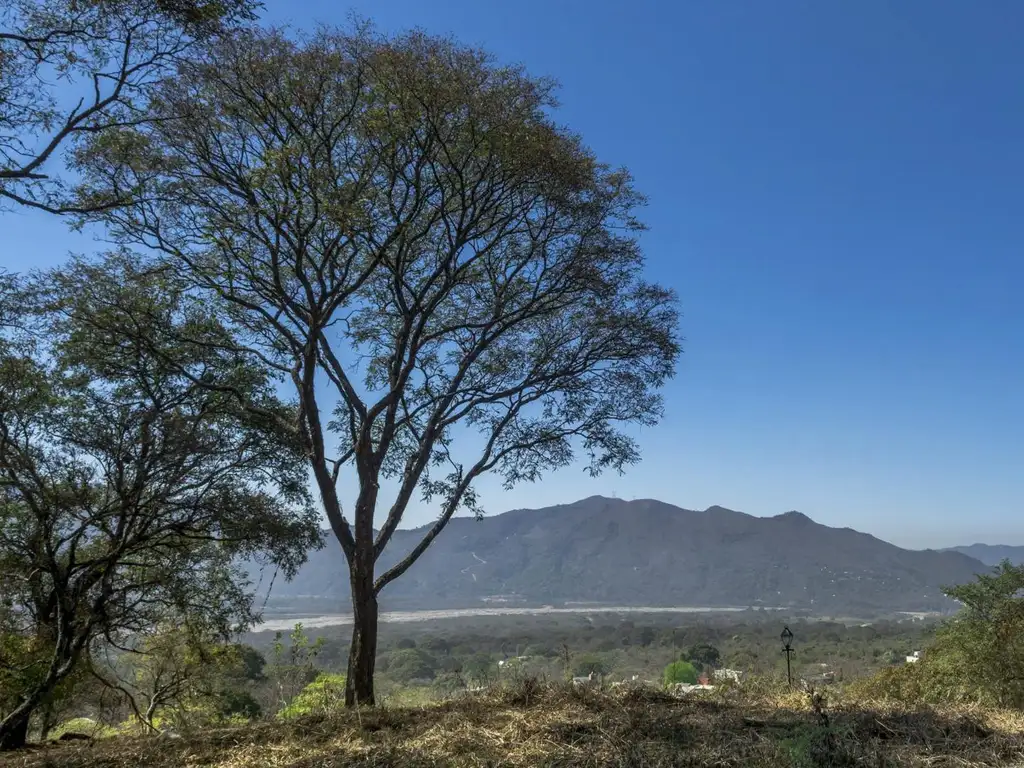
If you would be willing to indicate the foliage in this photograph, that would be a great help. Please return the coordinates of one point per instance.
(293, 665)
(105, 52)
(465, 266)
(900, 684)
(679, 672)
(178, 675)
(818, 746)
(891, 657)
(407, 664)
(704, 656)
(323, 695)
(129, 492)
(252, 662)
(448, 683)
(232, 704)
(480, 668)
(977, 656)
(84, 725)
(436, 645)
(24, 660)
(470, 637)
(586, 663)
(748, 642)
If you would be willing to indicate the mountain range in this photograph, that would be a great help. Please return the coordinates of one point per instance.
(992, 554)
(648, 553)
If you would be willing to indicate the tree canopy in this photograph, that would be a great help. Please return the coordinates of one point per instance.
(70, 69)
(680, 672)
(130, 491)
(704, 655)
(450, 282)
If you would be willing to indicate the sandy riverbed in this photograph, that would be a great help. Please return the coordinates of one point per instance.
(312, 622)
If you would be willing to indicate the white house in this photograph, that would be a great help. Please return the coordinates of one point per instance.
(733, 675)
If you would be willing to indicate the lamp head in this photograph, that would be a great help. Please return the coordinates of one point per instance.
(787, 638)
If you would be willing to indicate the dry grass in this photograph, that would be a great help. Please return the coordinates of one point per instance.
(531, 724)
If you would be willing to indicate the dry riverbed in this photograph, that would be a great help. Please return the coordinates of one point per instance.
(283, 624)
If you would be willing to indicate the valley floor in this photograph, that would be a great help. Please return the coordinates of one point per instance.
(285, 623)
(532, 725)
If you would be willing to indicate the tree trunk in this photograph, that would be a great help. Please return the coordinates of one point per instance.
(362, 655)
(147, 719)
(48, 720)
(14, 727)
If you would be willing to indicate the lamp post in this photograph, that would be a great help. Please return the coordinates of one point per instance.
(787, 648)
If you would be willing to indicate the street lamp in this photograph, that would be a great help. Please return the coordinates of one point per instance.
(787, 648)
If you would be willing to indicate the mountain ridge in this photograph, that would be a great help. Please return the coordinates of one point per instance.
(991, 554)
(647, 552)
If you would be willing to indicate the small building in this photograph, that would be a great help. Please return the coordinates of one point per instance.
(914, 657)
(728, 675)
(514, 660)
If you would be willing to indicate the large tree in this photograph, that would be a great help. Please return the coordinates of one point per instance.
(72, 68)
(129, 495)
(450, 281)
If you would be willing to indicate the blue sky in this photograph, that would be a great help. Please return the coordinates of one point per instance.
(837, 194)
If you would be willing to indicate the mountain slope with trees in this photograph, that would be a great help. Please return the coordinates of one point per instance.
(646, 552)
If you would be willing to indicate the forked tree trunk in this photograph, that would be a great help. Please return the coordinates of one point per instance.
(362, 655)
(14, 727)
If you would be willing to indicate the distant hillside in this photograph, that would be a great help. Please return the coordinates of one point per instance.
(992, 554)
(650, 553)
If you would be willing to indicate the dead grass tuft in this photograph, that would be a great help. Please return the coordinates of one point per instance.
(529, 724)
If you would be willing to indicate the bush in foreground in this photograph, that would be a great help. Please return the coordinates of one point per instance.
(323, 695)
(977, 658)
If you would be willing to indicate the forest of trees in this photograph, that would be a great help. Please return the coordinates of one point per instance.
(175, 681)
(617, 647)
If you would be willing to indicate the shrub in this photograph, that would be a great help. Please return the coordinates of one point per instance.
(480, 669)
(84, 725)
(977, 657)
(447, 683)
(408, 664)
(890, 684)
(233, 703)
(589, 662)
(324, 694)
(680, 672)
